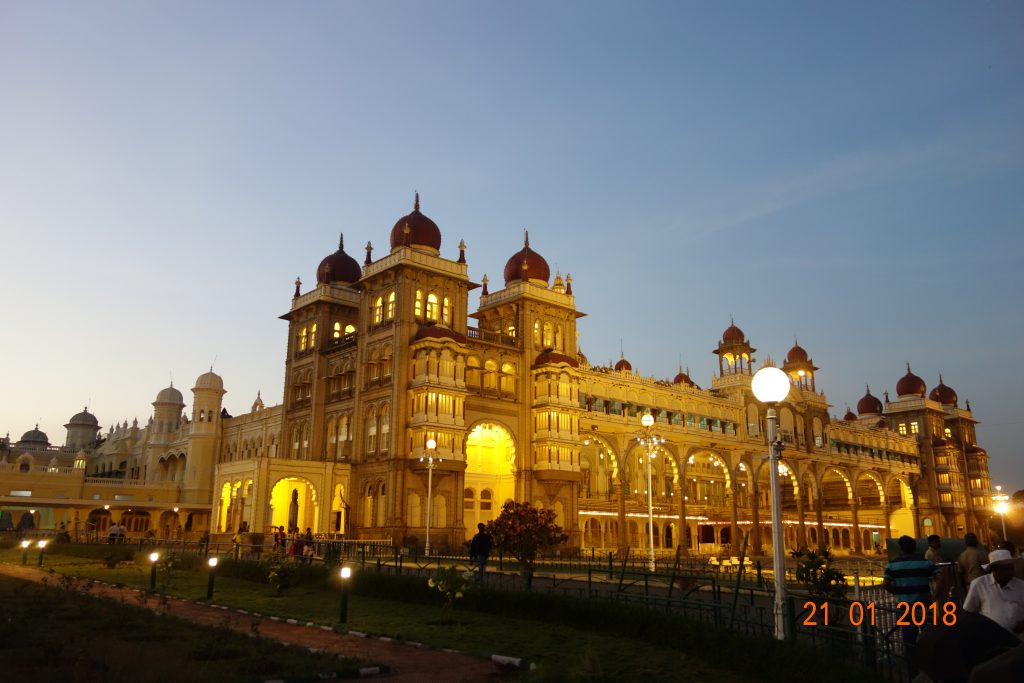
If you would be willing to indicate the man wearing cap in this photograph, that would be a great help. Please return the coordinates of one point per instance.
(998, 595)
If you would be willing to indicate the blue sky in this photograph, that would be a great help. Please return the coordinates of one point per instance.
(847, 173)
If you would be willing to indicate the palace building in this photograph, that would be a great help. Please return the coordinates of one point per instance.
(384, 356)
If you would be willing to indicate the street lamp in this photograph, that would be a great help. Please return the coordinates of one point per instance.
(650, 440)
(153, 557)
(770, 386)
(209, 583)
(42, 549)
(1001, 506)
(431, 464)
(346, 574)
(24, 551)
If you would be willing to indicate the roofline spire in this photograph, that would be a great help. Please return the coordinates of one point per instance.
(416, 204)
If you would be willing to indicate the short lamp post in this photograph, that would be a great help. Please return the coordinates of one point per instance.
(24, 551)
(346, 575)
(153, 557)
(1001, 506)
(42, 549)
(209, 582)
(650, 441)
(770, 386)
(431, 461)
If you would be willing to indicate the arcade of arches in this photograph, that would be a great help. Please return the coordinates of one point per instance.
(723, 497)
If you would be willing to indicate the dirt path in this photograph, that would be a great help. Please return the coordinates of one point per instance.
(407, 662)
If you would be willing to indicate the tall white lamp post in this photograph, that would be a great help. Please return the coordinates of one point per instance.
(431, 464)
(770, 386)
(650, 440)
(1001, 506)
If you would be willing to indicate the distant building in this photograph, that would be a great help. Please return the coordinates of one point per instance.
(381, 357)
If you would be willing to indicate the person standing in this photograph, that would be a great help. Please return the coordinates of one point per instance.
(934, 546)
(971, 561)
(909, 578)
(999, 595)
(480, 549)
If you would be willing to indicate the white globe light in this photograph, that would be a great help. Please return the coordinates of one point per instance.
(346, 572)
(1002, 507)
(647, 420)
(770, 385)
(153, 557)
(431, 444)
(212, 561)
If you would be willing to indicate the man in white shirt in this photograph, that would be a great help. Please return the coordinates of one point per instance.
(998, 595)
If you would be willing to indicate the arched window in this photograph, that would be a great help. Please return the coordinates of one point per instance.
(536, 334)
(473, 371)
(431, 306)
(304, 448)
(371, 431)
(302, 339)
(389, 312)
(337, 330)
(378, 310)
(312, 336)
(419, 303)
(349, 329)
(490, 374)
(332, 437)
(446, 311)
(485, 500)
(385, 428)
(385, 363)
(558, 339)
(508, 380)
(296, 435)
(469, 499)
(549, 336)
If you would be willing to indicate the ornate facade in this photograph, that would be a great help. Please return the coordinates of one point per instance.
(381, 357)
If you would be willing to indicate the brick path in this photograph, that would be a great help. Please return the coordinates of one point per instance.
(407, 662)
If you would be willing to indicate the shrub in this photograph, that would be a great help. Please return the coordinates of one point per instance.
(523, 531)
(816, 573)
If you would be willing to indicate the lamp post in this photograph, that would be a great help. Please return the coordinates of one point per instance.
(24, 551)
(209, 582)
(1001, 506)
(770, 386)
(346, 574)
(153, 557)
(650, 441)
(42, 549)
(431, 464)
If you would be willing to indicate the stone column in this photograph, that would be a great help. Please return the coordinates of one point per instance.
(755, 516)
(623, 539)
(801, 531)
(735, 538)
(823, 542)
(684, 548)
(858, 543)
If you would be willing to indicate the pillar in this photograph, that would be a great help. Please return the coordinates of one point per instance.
(682, 543)
(623, 539)
(801, 532)
(858, 542)
(755, 516)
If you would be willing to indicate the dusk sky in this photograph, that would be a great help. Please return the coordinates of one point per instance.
(848, 173)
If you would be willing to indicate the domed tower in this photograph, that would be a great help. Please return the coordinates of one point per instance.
(207, 394)
(869, 406)
(799, 367)
(910, 385)
(683, 379)
(82, 429)
(527, 265)
(167, 413)
(417, 231)
(623, 365)
(943, 394)
(735, 354)
(339, 267)
(33, 439)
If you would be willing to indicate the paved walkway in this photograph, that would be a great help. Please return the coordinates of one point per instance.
(406, 662)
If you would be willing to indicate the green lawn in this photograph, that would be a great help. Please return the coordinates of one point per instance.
(47, 634)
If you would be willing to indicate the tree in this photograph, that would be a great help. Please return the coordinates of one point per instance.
(816, 573)
(523, 531)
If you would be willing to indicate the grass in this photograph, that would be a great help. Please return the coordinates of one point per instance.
(47, 634)
(595, 650)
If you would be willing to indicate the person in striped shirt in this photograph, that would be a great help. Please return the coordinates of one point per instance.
(909, 577)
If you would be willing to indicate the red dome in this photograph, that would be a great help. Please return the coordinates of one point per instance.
(733, 334)
(869, 404)
(624, 364)
(434, 331)
(552, 357)
(338, 267)
(536, 267)
(849, 415)
(910, 385)
(943, 394)
(797, 354)
(423, 232)
(683, 378)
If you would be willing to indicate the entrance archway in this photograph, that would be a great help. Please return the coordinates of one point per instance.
(294, 504)
(490, 478)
